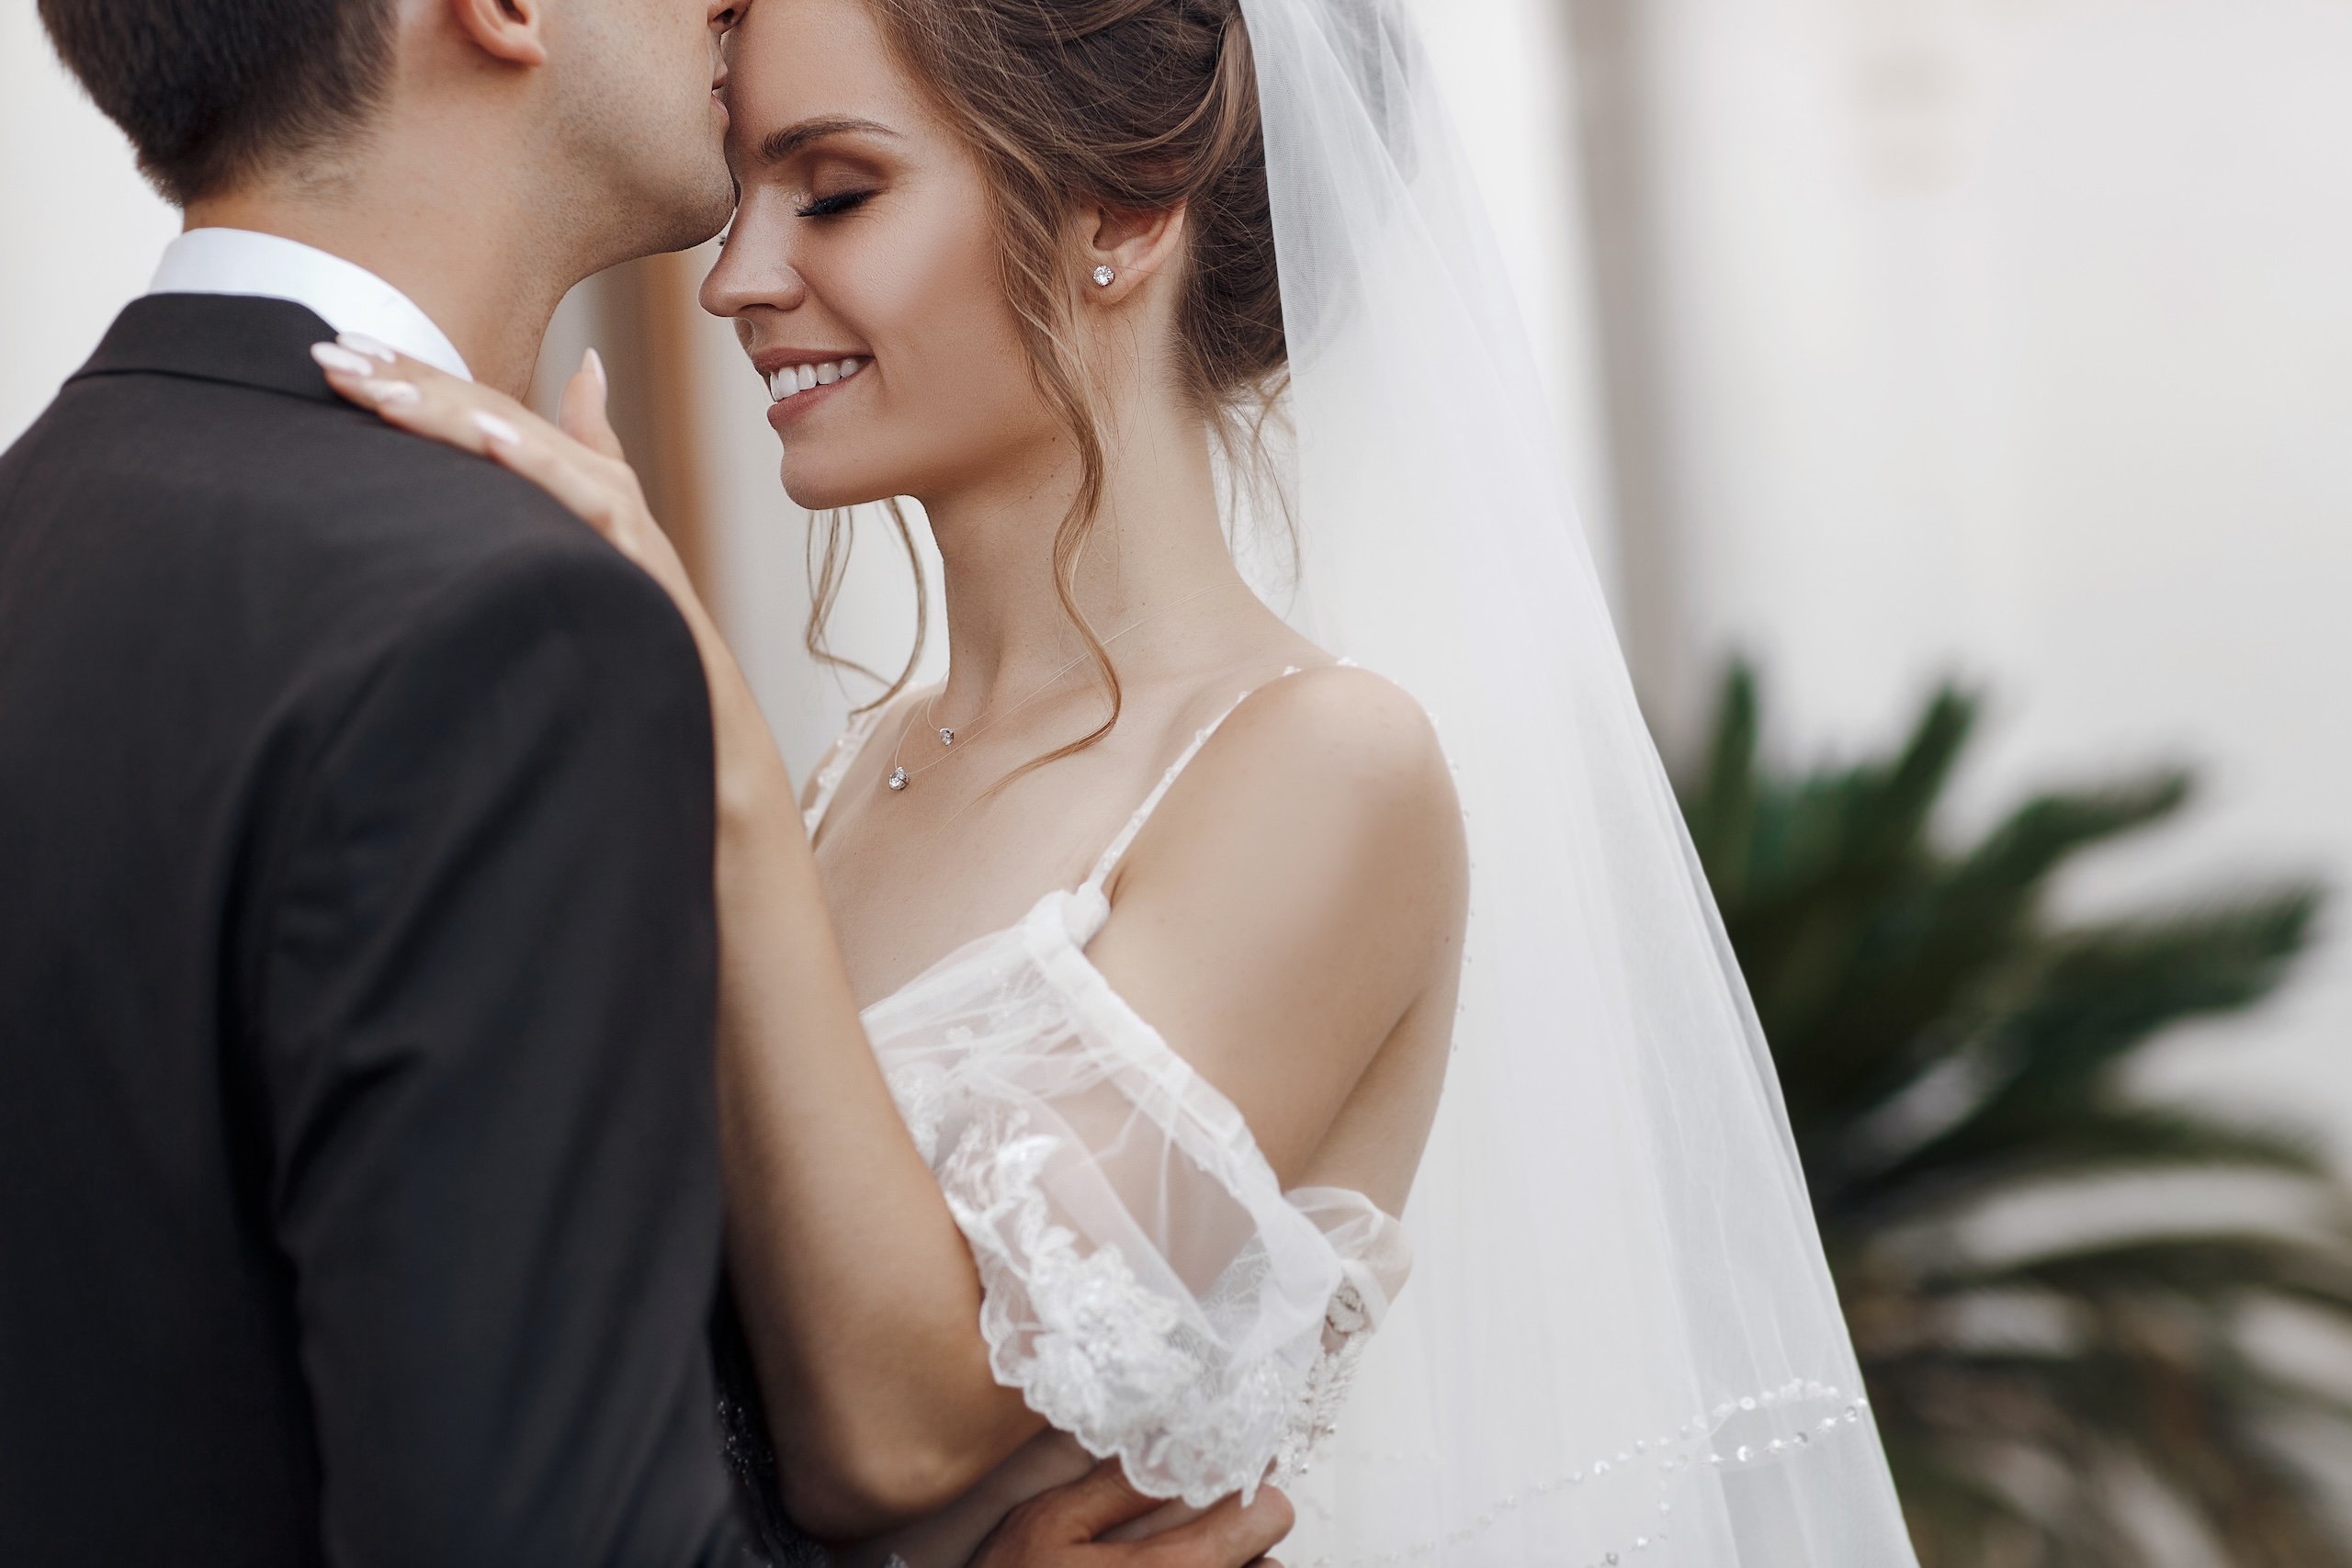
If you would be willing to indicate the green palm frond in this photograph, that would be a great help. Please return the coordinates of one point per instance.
(1945, 1045)
(2215, 1268)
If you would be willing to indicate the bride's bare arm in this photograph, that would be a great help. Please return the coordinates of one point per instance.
(861, 1294)
(858, 1291)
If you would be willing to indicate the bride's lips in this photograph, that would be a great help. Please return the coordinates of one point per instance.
(799, 379)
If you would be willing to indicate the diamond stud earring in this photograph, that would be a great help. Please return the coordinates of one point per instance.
(1103, 274)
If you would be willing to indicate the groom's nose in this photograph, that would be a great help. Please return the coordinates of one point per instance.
(723, 17)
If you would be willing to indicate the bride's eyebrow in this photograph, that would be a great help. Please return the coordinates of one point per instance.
(778, 145)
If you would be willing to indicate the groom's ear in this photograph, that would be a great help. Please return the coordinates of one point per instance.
(512, 31)
(1134, 245)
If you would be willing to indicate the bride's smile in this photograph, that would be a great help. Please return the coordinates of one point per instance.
(795, 376)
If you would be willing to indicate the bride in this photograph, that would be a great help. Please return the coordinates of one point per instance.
(1084, 1019)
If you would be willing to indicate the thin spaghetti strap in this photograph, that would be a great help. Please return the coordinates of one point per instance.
(1118, 847)
(851, 741)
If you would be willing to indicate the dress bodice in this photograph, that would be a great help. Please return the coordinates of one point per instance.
(1149, 1286)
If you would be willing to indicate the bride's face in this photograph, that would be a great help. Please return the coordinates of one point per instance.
(863, 255)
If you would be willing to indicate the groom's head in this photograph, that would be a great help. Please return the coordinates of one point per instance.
(609, 100)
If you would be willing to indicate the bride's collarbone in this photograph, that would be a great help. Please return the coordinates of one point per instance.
(989, 789)
(908, 886)
(971, 842)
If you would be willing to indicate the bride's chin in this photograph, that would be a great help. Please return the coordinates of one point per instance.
(812, 494)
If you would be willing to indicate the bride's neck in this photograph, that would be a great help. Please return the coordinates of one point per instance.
(1157, 545)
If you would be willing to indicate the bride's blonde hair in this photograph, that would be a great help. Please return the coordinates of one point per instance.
(1139, 106)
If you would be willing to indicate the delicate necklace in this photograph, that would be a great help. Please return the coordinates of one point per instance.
(899, 777)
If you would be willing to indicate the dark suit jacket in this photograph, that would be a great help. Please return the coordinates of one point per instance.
(358, 1188)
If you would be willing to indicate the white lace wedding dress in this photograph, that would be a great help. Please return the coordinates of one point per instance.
(1151, 1288)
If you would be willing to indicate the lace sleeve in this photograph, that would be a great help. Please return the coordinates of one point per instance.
(1148, 1287)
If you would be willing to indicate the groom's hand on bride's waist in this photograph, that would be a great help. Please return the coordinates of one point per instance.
(1061, 1529)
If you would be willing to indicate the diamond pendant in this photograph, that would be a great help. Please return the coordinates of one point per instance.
(898, 778)
(947, 737)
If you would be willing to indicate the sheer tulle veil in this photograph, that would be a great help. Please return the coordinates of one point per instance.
(1620, 1344)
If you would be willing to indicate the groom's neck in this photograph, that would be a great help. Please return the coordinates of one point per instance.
(472, 253)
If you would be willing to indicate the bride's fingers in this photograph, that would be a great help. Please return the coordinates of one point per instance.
(417, 397)
(585, 414)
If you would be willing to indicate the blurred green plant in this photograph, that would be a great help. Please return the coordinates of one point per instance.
(1944, 1045)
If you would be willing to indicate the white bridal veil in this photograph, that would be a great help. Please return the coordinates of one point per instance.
(1620, 1344)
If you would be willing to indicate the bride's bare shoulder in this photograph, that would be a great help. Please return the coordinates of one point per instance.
(1324, 765)
(1350, 731)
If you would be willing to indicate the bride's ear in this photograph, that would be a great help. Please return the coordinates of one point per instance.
(1124, 248)
(512, 32)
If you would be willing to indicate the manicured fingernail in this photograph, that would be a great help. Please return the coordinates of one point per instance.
(500, 433)
(360, 342)
(594, 363)
(342, 360)
(389, 392)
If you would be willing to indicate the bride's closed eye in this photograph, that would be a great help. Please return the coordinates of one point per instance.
(834, 206)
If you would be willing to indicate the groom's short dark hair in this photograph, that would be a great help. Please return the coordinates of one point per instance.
(212, 91)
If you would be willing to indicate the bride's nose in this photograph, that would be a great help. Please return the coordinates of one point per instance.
(749, 274)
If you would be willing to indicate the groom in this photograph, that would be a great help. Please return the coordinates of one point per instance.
(359, 1201)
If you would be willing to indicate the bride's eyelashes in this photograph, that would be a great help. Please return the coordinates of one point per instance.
(834, 206)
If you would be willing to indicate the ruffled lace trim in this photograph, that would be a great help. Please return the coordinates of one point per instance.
(1092, 1350)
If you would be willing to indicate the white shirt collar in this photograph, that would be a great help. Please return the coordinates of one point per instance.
(347, 297)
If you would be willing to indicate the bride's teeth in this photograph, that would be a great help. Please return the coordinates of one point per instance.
(794, 378)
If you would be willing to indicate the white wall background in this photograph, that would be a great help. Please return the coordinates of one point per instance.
(79, 229)
(2014, 338)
